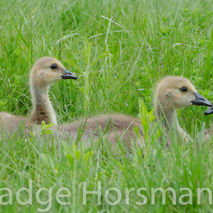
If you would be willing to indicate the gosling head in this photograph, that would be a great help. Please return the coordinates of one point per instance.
(47, 70)
(175, 92)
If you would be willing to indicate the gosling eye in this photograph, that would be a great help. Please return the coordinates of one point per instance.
(183, 89)
(54, 66)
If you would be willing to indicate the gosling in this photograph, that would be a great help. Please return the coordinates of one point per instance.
(44, 72)
(209, 132)
(171, 93)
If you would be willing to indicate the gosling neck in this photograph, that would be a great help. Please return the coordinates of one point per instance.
(42, 107)
(165, 115)
(168, 118)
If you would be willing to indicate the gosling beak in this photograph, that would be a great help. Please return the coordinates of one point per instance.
(69, 75)
(200, 100)
(209, 111)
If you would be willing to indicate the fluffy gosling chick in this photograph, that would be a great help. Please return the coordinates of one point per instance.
(172, 93)
(45, 71)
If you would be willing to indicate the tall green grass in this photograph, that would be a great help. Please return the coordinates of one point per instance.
(109, 45)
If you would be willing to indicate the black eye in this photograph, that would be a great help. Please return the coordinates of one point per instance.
(183, 89)
(54, 66)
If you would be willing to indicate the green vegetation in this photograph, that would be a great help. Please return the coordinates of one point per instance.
(109, 44)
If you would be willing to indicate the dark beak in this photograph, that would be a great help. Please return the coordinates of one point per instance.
(200, 100)
(209, 111)
(69, 75)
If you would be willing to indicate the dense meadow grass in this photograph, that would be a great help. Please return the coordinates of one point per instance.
(110, 45)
